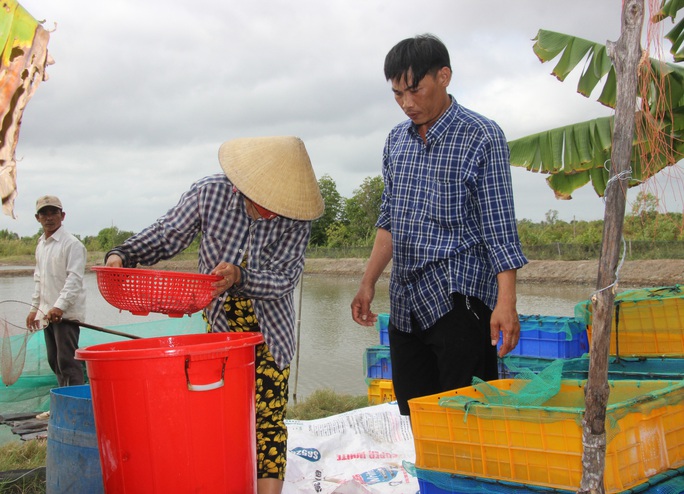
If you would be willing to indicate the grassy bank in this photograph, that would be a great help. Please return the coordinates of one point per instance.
(22, 467)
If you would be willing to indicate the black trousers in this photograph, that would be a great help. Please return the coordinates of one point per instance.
(444, 357)
(61, 342)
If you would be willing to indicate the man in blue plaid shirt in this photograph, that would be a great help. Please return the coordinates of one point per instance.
(447, 223)
(255, 222)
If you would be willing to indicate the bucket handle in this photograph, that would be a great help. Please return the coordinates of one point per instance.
(204, 387)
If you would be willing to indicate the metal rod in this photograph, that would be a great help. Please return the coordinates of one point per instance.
(104, 330)
(299, 325)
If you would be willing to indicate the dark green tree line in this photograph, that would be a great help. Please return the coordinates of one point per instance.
(350, 222)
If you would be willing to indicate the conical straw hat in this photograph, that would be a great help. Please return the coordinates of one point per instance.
(274, 172)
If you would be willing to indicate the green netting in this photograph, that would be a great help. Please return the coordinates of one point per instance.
(14, 340)
(632, 299)
(569, 326)
(31, 391)
(377, 358)
(528, 389)
(643, 368)
(546, 397)
(647, 321)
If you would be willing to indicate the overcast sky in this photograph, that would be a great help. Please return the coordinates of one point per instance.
(142, 93)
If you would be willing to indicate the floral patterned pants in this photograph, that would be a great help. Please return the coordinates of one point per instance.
(271, 385)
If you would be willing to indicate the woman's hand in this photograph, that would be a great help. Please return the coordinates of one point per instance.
(114, 261)
(231, 276)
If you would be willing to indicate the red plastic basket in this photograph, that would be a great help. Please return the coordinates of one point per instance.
(141, 291)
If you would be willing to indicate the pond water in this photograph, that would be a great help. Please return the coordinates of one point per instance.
(331, 346)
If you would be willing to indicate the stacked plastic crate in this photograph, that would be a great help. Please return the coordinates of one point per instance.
(475, 445)
(542, 340)
(441, 446)
(467, 442)
(378, 366)
(647, 322)
(646, 337)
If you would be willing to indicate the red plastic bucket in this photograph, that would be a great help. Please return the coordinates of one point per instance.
(175, 414)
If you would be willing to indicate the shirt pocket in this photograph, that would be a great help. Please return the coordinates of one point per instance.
(447, 203)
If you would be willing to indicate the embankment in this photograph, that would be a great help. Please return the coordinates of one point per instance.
(658, 272)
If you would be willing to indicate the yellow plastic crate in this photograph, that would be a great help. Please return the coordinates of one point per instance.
(380, 391)
(650, 322)
(542, 445)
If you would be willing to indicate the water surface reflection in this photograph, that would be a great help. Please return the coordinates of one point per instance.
(332, 346)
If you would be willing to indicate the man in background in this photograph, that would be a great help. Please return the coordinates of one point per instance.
(59, 293)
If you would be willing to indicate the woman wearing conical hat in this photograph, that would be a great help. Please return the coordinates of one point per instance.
(255, 222)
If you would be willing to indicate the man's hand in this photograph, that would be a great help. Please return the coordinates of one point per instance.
(54, 315)
(32, 322)
(506, 322)
(360, 306)
(505, 315)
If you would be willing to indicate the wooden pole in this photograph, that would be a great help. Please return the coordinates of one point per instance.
(625, 53)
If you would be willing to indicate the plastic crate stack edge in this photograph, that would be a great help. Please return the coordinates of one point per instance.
(378, 366)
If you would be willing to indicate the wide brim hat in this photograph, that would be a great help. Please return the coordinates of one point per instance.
(275, 173)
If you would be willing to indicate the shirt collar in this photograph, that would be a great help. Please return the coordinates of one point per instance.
(437, 130)
(56, 237)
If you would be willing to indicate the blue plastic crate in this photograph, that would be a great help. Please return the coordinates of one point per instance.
(383, 328)
(551, 337)
(511, 365)
(635, 368)
(377, 364)
(433, 482)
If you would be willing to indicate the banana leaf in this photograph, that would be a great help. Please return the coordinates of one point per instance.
(23, 60)
(577, 154)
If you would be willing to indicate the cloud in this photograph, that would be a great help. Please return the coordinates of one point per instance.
(142, 94)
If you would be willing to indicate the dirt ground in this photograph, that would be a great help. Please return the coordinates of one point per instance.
(660, 272)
